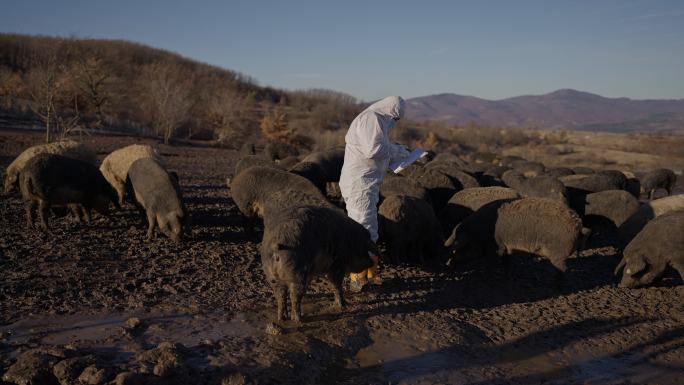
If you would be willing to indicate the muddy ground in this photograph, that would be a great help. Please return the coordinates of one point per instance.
(99, 303)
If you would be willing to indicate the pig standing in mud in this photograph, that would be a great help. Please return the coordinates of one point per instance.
(158, 194)
(659, 245)
(539, 226)
(303, 242)
(49, 179)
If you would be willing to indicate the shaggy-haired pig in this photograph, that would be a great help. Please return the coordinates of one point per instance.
(254, 187)
(303, 242)
(538, 226)
(659, 244)
(115, 166)
(49, 179)
(321, 167)
(661, 178)
(158, 194)
(410, 229)
(68, 148)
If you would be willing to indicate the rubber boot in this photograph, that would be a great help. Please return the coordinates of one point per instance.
(358, 281)
(373, 276)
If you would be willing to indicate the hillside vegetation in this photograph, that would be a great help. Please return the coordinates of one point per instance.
(69, 85)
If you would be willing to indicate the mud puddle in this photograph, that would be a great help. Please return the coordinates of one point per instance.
(406, 359)
(393, 353)
(570, 366)
(608, 370)
(109, 329)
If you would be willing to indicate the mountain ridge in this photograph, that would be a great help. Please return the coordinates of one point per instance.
(563, 109)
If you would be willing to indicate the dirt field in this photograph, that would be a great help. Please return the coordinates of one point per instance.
(71, 301)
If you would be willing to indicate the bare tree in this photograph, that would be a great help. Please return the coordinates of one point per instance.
(91, 78)
(53, 95)
(167, 96)
(43, 88)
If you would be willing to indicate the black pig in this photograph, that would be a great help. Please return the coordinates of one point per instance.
(303, 242)
(659, 244)
(54, 180)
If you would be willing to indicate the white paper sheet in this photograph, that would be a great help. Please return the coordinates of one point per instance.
(398, 165)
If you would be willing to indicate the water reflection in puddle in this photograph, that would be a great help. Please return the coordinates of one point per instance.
(405, 357)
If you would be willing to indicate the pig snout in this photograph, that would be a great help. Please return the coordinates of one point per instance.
(174, 228)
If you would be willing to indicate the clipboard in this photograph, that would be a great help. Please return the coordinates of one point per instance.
(399, 165)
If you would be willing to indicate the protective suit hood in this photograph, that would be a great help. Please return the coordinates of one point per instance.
(391, 106)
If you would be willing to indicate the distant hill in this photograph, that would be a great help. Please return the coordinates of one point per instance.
(566, 108)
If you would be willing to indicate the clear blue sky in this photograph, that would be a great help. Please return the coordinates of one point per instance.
(370, 49)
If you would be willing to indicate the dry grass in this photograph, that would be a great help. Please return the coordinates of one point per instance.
(633, 152)
(554, 148)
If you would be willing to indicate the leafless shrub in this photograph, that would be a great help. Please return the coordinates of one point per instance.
(232, 116)
(275, 127)
(166, 98)
(54, 99)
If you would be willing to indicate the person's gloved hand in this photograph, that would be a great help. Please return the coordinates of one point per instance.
(400, 151)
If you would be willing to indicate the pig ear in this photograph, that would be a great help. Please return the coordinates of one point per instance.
(452, 238)
(619, 267)
(456, 239)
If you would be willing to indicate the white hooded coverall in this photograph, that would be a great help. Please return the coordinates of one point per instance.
(367, 156)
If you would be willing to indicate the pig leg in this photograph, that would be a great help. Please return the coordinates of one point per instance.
(120, 192)
(86, 214)
(296, 294)
(280, 293)
(654, 273)
(503, 255)
(337, 279)
(76, 213)
(560, 267)
(651, 194)
(142, 213)
(81, 213)
(43, 208)
(151, 222)
(679, 266)
(30, 217)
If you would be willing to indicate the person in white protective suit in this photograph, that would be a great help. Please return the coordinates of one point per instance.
(367, 155)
